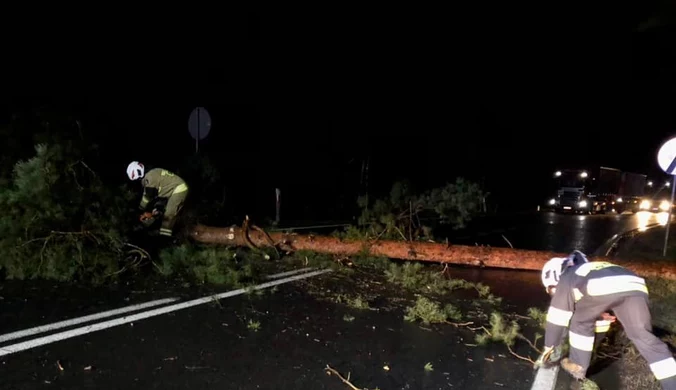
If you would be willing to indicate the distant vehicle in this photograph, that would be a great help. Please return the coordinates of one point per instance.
(598, 190)
(657, 197)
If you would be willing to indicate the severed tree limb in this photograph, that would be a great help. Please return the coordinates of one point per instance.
(491, 257)
(346, 381)
(268, 238)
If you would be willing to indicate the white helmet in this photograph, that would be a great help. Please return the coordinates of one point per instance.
(551, 272)
(135, 170)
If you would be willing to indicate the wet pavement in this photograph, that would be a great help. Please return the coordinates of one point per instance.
(552, 231)
(212, 347)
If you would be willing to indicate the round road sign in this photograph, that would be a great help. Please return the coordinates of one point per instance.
(199, 123)
(666, 157)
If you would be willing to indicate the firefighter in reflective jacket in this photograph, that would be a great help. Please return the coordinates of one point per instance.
(581, 292)
(160, 184)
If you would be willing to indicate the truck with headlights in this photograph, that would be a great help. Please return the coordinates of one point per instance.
(598, 190)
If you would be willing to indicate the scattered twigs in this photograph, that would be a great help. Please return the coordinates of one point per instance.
(157, 267)
(330, 371)
(532, 345)
(481, 328)
(137, 249)
(461, 324)
(519, 356)
(505, 238)
(607, 356)
(400, 233)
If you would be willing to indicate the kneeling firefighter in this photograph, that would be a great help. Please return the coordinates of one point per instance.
(160, 186)
(582, 293)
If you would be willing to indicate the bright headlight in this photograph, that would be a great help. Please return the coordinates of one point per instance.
(664, 205)
(582, 204)
(619, 200)
(645, 205)
(552, 202)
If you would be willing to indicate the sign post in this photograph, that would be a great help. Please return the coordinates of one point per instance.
(199, 124)
(666, 158)
(278, 204)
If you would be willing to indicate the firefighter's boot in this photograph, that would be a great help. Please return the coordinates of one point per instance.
(575, 370)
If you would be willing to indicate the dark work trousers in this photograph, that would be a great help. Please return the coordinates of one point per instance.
(634, 315)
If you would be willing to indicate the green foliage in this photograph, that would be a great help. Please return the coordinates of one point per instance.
(253, 325)
(589, 384)
(500, 332)
(538, 315)
(358, 302)
(400, 215)
(429, 311)
(59, 221)
(416, 277)
(206, 265)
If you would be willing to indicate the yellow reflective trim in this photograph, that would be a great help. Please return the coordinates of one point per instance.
(615, 284)
(165, 232)
(558, 317)
(577, 294)
(167, 173)
(602, 326)
(583, 343)
(180, 188)
(586, 268)
(664, 368)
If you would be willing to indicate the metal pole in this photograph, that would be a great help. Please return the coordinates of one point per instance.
(666, 234)
(278, 205)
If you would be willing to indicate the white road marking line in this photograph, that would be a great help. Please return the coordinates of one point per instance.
(545, 379)
(9, 349)
(110, 313)
(74, 321)
(289, 273)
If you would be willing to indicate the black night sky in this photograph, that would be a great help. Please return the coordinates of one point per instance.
(300, 105)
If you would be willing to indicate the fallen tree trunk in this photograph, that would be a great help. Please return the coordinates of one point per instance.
(491, 257)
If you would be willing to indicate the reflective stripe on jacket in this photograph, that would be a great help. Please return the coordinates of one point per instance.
(591, 280)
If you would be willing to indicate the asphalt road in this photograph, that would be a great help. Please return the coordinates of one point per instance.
(212, 346)
(551, 231)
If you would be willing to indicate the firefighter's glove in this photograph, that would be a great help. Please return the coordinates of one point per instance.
(544, 357)
(147, 219)
(608, 317)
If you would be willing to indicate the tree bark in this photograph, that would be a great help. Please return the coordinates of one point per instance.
(491, 257)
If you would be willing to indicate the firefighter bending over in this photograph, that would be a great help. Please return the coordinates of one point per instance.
(159, 185)
(582, 292)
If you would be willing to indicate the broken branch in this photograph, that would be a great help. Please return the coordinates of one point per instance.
(519, 356)
(346, 381)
